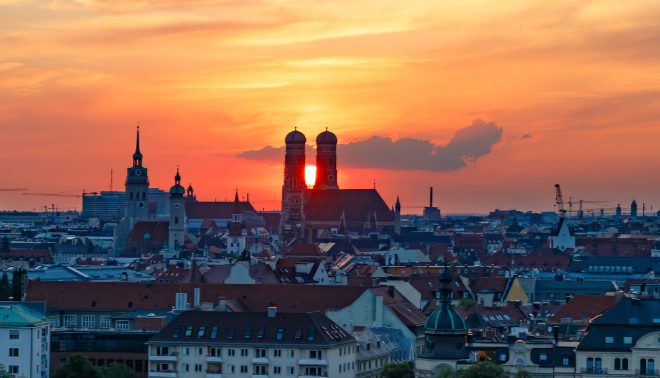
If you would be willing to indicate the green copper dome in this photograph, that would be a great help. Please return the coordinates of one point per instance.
(445, 320)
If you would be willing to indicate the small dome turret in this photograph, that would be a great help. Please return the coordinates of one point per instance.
(177, 190)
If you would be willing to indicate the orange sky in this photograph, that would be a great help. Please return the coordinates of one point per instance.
(211, 79)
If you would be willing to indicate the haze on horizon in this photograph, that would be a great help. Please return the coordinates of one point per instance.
(491, 103)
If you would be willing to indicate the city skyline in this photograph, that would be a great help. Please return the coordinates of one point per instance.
(570, 87)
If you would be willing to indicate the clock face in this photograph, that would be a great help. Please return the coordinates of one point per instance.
(176, 205)
(140, 204)
(138, 172)
(294, 200)
(331, 177)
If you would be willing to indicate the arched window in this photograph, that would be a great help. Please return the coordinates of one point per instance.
(598, 366)
(617, 364)
(590, 365)
(651, 366)
(624, 364)
(176, 220)
(642, 366)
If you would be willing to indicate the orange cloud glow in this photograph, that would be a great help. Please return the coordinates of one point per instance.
(574, 87)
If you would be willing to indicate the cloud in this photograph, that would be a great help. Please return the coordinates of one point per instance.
(525, 136)
(466, 146)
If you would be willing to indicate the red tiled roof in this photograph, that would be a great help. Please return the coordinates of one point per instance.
(260, 272)
(214, 210)
(496, 283)
(17, 254)
(584, 307)
(139, 295)
(303, 250)
(355, 204)
(158, 231)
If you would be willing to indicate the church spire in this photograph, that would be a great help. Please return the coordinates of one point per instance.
(137, 156)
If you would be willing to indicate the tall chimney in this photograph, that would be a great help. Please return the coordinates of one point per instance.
(431, 197)
(196, 297)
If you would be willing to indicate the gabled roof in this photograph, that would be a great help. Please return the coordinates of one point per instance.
(303, 250)
(135, 295)
(26, 254)
(157, 231)
(19, 316)
(584, 307)
(356, 205)
(202, 327)
(214, 210)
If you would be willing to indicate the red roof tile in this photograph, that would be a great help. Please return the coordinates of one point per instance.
(356, 205)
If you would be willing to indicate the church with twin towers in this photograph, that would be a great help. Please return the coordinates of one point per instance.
(325, 210)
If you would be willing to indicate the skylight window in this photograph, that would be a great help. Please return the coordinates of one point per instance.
(188, 331)
(310, 334)
(298, 333)
(260, 333)
(280, 333)
(201, 331)
(214, 332)
(248, 332)
(507, 317)
(175, 333)
(230, 332)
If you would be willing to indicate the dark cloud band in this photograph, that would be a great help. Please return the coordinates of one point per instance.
(467, 145)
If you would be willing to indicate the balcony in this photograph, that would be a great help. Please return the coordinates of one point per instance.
(213, 375)
(595, 371)
(312, 362)
(217, 359)
(648, 373)
(168, 357)
(260, 360)
(162, 374)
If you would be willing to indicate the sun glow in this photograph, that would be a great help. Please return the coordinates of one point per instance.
(310, 175)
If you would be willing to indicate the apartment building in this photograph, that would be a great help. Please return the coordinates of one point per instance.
(24, 340)
(214, 344)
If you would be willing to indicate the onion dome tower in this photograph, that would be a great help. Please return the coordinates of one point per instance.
(293, 190)
(177, 225)
(445, 329)
(326, 161)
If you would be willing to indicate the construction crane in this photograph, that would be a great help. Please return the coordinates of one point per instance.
(580, 211)
(559, 201)
(52, 194)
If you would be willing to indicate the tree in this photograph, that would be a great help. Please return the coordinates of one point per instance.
(397, 370)
(77, 366)
(467, 302)
(482, 370)
(117, 370)
(17, 280)
(522, 373)
(5, 287)
(4, 373)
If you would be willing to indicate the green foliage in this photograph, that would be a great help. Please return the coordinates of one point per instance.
(117, 370)
(522, 373)
(4, 373)
(77, 366)
(17, 280)
(397, 370)
(481, 370)
(5, 287)
(467, 302)
(245, 256)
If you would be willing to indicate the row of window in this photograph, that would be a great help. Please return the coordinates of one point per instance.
(595, 365)
(243, 369)
(626, 340)
(89, 321)
(316, 354)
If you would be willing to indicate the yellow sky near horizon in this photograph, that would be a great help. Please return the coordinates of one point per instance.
(209, 79)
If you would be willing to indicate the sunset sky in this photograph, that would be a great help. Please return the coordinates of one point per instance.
(490, 102)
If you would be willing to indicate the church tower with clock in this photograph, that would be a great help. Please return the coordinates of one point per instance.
(177, 224)
(137, 188)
